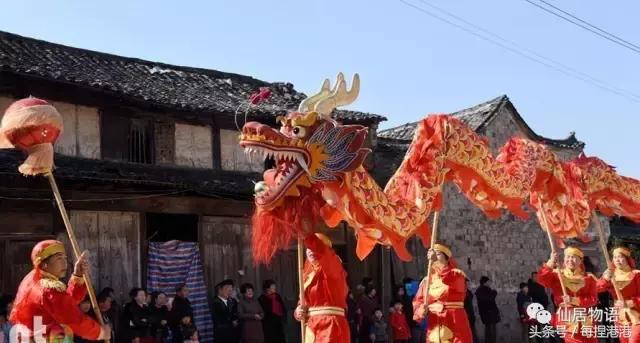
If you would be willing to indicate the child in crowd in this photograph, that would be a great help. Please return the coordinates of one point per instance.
(399, 325)
(188, 330)
(379, 330)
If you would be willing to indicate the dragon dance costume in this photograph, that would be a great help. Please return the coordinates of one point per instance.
(581, 287)
(325, 293)
(447, 320)
(43, 295)
(627, 281)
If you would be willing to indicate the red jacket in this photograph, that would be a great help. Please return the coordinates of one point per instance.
(399, 325)
(57, 305)
(325, 286)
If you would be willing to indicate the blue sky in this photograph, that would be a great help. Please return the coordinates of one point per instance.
(410, 64)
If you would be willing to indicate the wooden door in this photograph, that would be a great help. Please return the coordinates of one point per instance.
(113, 241)
(225, 248)
(17, 254)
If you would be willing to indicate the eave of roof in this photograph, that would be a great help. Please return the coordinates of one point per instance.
(478, 117)
(205, 182)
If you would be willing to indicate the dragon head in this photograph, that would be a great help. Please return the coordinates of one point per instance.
(309, 148)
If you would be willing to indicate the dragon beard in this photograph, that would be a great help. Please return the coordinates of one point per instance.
(274, 229)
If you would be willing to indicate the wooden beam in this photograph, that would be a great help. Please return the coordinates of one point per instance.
(163, 204)
(216, 145)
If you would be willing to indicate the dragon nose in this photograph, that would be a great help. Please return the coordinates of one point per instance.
(255, 128)
(251, 128)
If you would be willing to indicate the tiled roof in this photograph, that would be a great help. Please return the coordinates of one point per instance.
(205, 182)
(477, 117)
(170, 86)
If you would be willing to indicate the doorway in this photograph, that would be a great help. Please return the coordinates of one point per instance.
(164, 227)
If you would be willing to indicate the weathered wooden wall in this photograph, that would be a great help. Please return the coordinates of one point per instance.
(233, 156)
(225, 247)
(193, 146)
(19, 233)
(165, 142)
(15, 253)
(81, 134)
(113, 240)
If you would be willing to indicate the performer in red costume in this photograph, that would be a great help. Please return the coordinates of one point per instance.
(627, 280)
(447, 320)
(325, 293)
(581, 293)
(42, 294)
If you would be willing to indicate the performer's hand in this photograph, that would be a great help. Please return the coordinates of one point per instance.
(619, 304)
(82, 265)
(105, 332)
(607, 275)
(566, 300)
(300, 313)
(419, 313)
(553, 260)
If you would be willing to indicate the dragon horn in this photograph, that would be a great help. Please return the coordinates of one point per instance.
(340, 96)
(308, 103)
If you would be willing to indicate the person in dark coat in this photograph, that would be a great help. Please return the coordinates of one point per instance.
(367, 305)
(523, 299)
(489, 313)
(137, 318)
(114, 312)
(468, 308)
(536, 291)
(105, 303)
(225, 314)
(188, 330)
(353, 316)
(180, 308)
(159, 316)
(274, 313)
(379, 329)
(251, 314)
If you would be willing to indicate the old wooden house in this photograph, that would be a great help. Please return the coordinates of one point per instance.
(149, 153)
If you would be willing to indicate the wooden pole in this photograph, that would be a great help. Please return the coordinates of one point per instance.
(74, 245)
(552, 245)
(603, 247)
(434, 234)
(436, 214)
(303, 322)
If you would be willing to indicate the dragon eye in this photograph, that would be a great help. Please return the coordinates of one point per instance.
(299, 131)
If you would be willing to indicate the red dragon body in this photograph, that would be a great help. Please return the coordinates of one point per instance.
(319, 177)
